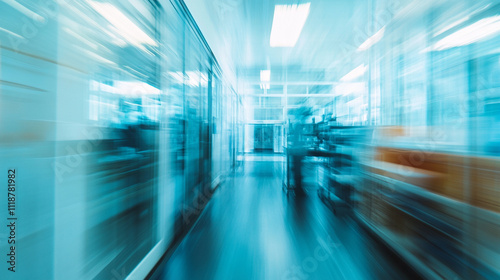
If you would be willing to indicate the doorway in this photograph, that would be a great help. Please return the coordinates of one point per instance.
(264, 138)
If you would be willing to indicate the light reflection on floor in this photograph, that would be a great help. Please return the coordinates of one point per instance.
(252, 230)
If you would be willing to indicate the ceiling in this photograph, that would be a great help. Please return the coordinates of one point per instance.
(238, 32)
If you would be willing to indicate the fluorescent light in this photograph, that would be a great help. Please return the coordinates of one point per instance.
(372, 40)
(265, 86)
(135, 88)
(265, 78)
(265, 75)
(125, 87)
(355, 73)
(464, 19)
(473, 33)
(288, 22)
(349, 88)
(177, 76)
(124, 26)
(448, 27)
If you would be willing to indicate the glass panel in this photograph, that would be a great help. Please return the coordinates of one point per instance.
(175, 120)
(296, 89)
(193, 115)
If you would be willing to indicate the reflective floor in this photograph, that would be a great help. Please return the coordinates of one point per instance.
(252, 230)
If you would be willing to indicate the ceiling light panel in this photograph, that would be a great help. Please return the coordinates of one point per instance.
(122, 24)
(372, 40)
(476, 32)
(288, 22)
(265, 75)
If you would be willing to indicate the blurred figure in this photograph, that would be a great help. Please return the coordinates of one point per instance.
(297, 145)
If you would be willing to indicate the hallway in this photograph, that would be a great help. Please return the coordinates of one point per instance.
(251, 230)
